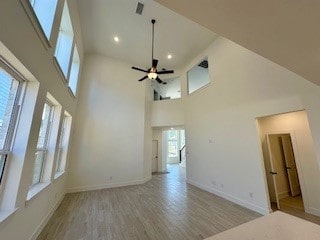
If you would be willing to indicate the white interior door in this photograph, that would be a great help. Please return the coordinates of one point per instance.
(290, 165)
(154, 156)
(272, 172)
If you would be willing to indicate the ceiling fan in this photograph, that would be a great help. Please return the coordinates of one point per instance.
(152, 73)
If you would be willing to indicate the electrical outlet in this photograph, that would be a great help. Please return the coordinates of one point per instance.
(251, 194)
(222, 185)
(214, 183)
(110, 178)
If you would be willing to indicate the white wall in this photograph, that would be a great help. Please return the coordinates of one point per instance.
(148, 134)
(36, 62)
(306, 161)
(159, 135)
(167, 113)
(173, 88)
(109, 136)
(225, 155)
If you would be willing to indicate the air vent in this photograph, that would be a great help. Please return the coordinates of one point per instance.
(139, 8)
(203, 64)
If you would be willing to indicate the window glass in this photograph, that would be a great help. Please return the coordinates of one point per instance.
(173, 134)
(170, 90)
(9, 90)
(198, 76)
(173, 148)
(44, 126)
(40, 154)
(45, 11)
(38, 167)
(65, 40)
(61, 143)
(74, 72)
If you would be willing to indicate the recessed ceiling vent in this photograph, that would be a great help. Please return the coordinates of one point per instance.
(204, 64)
(139, 8)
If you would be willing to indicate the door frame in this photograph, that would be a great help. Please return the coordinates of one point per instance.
(297, 157)
(157, 156)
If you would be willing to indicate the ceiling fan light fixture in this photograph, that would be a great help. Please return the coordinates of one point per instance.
(152, 75)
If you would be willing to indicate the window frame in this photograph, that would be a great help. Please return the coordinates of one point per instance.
(64, 76)
(46, 41)
(12, 127)
(61, 145)
(74, 48)
(188, 77)
(45, 147)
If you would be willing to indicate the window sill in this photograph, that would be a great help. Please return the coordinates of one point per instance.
(58, 175)
(34, 190)
(5, 215)
(199, 89)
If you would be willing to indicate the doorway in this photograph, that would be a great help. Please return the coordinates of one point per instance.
(168, 148)
(282, 174)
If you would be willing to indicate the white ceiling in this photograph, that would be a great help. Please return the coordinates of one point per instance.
(101, 20)
(286, 32)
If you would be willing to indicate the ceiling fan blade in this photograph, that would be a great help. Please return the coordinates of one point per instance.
(143, 78)
(139, 69)
(154, 63)
(166, 72)
(159, 80)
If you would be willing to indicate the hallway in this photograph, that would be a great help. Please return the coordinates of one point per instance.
(163, 208)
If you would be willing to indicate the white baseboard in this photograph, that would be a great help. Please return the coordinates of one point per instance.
(44, 221)
(108, 185)
(313, 211)
(231, 198)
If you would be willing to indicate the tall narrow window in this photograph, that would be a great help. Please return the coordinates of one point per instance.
(10, 88)
(74, 72)
(45, 11)
(65, 41)
(42, 145)
(172, 143)
(63, 143)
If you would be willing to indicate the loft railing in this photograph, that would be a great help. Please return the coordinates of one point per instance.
(180, 152)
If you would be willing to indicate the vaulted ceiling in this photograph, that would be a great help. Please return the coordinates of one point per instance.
(284, 31)
(101, 20)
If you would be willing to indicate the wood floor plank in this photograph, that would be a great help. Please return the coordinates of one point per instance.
(163, 208)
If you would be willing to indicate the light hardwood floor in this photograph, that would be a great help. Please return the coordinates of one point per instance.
(294, 206)
(163, 208)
